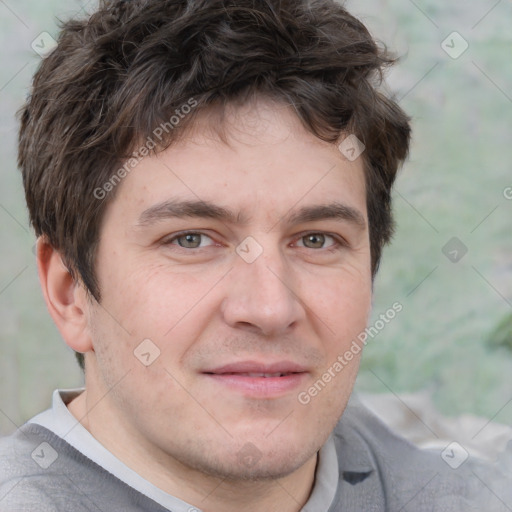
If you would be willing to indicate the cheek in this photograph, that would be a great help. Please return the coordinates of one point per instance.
(341, 299)
(154, 299)
(147, 324)
(344, 310)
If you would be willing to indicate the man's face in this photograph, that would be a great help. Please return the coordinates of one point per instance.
(247, 265)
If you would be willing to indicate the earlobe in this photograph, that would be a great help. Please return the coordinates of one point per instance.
(66, 298)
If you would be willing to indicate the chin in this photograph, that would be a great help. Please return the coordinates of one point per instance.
(246, 462)
(262, 466)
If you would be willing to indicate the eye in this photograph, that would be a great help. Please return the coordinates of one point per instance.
(190, 240)
(317, 241)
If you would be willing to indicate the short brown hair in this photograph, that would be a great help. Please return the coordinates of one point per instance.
(127, 69)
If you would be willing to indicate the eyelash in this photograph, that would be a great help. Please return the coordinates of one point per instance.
(170, 240)
(338, 242)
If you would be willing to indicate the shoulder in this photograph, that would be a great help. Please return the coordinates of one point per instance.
(362, 427)
(404, 472)
(40, 471)
(24, 482)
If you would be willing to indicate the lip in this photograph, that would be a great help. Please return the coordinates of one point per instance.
(246, 378)
(256, 367)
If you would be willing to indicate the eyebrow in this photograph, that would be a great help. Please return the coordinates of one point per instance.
(336, 211)
(180, 209)
(204, 209)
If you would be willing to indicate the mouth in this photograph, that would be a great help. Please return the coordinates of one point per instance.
(254, 374)
(257, 380)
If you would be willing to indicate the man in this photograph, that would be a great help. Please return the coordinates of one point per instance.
(209, 181)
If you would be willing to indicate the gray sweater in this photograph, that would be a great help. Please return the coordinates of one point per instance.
(377, 472)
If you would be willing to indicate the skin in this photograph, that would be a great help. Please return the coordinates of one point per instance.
(304, 300)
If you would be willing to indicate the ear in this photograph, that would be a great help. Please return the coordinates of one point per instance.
(66, 299)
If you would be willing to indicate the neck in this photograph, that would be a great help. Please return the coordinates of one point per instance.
(206, 492)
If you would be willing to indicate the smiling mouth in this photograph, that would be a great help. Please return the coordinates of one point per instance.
(254, 374)
(253, 368)
(254, 381)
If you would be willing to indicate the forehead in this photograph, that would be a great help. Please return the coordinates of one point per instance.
(260, 160)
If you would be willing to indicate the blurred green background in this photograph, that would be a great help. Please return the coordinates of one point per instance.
(454, 335)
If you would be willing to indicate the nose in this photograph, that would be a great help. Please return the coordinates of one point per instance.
(261, 297)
